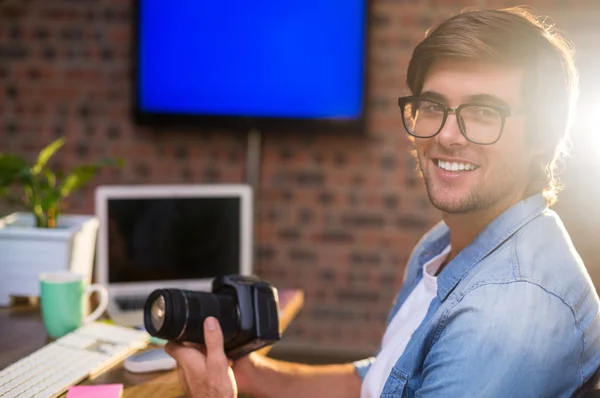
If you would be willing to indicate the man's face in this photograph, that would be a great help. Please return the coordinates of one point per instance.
(493, 176)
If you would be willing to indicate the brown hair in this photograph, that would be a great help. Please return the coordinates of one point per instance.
(514, 36)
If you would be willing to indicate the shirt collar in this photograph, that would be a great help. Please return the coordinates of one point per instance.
(492, 236)
(432, 266)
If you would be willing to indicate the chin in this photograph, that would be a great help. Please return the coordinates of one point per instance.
(454, 204)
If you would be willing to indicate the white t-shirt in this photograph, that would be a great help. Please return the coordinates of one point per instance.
(403, 325)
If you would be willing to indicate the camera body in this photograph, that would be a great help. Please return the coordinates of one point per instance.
(258, 304)
(247, 309)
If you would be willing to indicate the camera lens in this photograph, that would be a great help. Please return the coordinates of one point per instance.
(178, 315)
(157, 312)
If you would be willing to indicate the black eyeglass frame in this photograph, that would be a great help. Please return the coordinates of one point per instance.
(503, 111)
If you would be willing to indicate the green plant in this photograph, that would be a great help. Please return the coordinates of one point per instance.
(44, 190)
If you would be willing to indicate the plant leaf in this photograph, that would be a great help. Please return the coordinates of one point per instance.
(77, 178)
(10, 168)
(25, 177)
(81, 175)
(50, 178)
(50, 200)
(45, 155)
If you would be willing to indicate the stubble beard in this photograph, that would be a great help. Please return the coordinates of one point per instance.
(481, 196)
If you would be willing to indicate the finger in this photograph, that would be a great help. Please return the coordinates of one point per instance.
(170, 347)
(197, 346)
(213, 339)
(186, 357)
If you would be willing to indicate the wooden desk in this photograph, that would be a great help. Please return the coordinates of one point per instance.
(22, 332)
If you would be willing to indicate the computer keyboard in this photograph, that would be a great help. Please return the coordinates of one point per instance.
(85, 352)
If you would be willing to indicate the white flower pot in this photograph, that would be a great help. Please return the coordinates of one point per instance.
(27, 251)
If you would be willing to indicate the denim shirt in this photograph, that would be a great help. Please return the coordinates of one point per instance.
(516, 314)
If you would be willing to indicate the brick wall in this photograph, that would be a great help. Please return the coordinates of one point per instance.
(336, 216)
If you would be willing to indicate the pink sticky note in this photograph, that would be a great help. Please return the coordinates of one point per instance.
(98, 391)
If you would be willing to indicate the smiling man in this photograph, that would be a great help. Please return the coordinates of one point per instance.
(495, 301)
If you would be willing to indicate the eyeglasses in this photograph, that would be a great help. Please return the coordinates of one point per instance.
(479, 124)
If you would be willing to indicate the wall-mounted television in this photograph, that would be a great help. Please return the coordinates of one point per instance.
(280, 65)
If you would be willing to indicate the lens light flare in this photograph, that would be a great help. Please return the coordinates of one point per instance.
(158, 312)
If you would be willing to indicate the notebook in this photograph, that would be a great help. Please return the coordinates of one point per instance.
(98, 391)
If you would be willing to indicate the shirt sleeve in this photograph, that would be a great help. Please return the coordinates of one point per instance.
(363, 366)
(505, 340)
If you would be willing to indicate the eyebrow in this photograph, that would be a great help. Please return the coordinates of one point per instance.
(482, 98)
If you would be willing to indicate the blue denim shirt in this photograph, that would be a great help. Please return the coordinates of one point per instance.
(516, 314)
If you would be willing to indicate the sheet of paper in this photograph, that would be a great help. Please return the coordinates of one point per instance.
(98, 391)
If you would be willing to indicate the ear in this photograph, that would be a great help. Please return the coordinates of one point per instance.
(537, 161)
(537, 158)
(537, 151)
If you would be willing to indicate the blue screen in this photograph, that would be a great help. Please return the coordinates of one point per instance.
(254, 58)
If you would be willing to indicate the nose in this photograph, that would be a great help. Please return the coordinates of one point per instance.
(450, 135)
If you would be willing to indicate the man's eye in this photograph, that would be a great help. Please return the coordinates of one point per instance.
(484, 112)
(431, 107)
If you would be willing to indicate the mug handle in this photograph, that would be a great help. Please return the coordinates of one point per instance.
(101, 290)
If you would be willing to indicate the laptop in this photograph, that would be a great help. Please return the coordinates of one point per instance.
(169, 236)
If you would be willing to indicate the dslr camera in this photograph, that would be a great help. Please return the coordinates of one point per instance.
(246, 307)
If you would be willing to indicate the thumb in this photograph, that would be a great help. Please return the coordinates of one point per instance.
(213, 340)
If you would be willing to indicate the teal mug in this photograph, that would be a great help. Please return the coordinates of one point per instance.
(64, 299)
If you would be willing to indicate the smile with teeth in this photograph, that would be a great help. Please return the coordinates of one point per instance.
(455, 166)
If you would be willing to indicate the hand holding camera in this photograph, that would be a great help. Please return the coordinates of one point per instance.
(239, 316)
(245, 306)
(205, 374)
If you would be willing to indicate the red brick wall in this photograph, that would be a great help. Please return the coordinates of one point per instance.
(337, 216)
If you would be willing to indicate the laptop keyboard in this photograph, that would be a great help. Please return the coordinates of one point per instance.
(131, 303)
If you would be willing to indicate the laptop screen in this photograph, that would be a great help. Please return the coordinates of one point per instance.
(158, 239)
